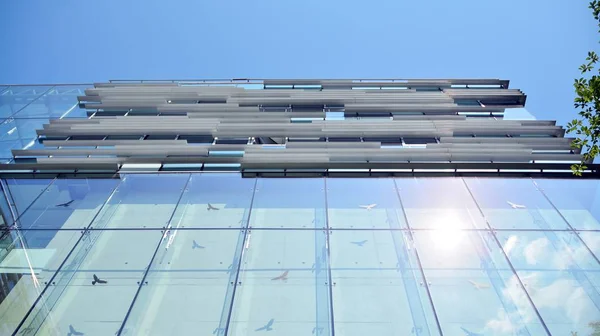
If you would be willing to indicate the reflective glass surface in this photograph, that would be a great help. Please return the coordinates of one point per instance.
(438, 203)
(218, 254)
(28, 261)
(15, 98)
(580, 205)
(560, 275)
(514, 203)
(25, 109)
(363, 203)
(289, 203)
(58, 102)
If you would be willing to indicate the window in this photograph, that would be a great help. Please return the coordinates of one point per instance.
(418, 141)
(344, 139)
(232, 141)
(160, 137)
(87, 137)
(197, 138)
(467, 102)
(124, 137)
(384, 140)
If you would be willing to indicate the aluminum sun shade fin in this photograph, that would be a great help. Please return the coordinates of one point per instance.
(421, 109)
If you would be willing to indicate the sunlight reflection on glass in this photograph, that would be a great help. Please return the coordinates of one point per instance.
(449, 236)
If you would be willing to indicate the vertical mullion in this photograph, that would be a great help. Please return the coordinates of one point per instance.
(419, 265)
(507, 259)
(164, 235)
(237, 259)
(328, 248)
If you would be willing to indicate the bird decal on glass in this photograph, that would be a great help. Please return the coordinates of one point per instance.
(368, 207)
(479, 285)
(515, 205)
(283, 276)
(267, 327)
(66, 204)
(97, 280)
(73, 332)
(359, 243)
(211, 207)
(195, 245)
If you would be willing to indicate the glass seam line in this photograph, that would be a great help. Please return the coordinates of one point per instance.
(571, 228)
(31, 102)
(8, 199)
(32, 202)
(507, 259)
(163, 236)
(328, 242)
(420, 266)
(65, 260)
(240, 260)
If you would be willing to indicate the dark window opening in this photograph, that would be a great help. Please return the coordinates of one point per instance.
(160, 137)
(344, 139)
(384, 140)
(419, 141)
(124, 137)
(232, 141)
(142, 113)
(197, 138)
(87, 137)
(467, 102)
(275, 108)
(306, 139)
(500, 102)
(307, 108)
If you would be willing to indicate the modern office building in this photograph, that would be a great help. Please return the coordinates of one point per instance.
(292, 207)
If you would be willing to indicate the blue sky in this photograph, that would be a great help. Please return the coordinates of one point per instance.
(537, 44)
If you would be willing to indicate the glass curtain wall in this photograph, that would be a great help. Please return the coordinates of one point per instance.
(217, 254)
(25, 108)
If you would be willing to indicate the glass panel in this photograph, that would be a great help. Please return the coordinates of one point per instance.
(377, 286)
(560, 275)
(28, 259)
(439, 203)
(580, 205)
(59, 102)
(6, 147)
(24, 191)
(282, 284)
(514, 203)
(143, 201)
(15, 98)
(118, 259)
(592, 240)
(289, 203)
(188, 285)
(68, 204)
(471, 285)
(215, 201)
(363, 203)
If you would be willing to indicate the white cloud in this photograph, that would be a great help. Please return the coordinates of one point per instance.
(510, 244)
(535, 250)
(501, 325)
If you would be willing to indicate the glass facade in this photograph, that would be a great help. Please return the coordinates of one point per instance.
(26, 108)
(218, 254)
